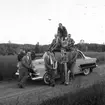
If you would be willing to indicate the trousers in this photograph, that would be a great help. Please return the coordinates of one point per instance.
(23, 75)
(51, 74)
(71, 68)
(64, 73)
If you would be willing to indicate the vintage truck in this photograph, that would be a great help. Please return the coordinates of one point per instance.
(83, 65)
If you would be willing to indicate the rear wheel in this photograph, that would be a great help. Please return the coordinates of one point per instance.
(86, 71)
(1, 77)
(91, 69)
(46, 78)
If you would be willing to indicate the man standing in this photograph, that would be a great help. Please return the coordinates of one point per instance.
(63, 67)
(72, 55)
(62, 31)
(25, 65)
(49, 68)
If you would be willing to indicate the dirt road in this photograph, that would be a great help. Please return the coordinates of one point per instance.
(36, 91)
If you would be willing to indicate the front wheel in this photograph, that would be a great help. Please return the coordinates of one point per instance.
(86, 71)
(46, 78)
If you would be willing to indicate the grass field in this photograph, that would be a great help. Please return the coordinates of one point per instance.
(8, 66)
(8, 63)
(94, 54)
(93, 95)
(99, 55)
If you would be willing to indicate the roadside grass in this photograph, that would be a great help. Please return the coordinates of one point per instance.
(8, 66)
(93, 95)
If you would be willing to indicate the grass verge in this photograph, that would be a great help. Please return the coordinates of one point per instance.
(93, 95)
(99, 55)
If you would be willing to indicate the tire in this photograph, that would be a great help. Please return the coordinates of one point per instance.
(1, 77)
(91, 69)
(86, 71)
(46, 79)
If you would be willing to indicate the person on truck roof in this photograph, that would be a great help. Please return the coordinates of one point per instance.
(62, 31)
(68, 43)
(56, 44)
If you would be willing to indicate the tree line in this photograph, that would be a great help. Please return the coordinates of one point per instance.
(13, 49)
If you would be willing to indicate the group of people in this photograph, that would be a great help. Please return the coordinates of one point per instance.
(64, 44)
(65, 65)
(62, 40)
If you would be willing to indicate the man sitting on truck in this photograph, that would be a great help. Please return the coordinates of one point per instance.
(56, 44)
(62, 31)
(68, 43)
(53, 42)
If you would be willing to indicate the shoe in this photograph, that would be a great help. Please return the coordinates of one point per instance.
(20, 86)
(62, 83)
(66, 84)
(53, 85)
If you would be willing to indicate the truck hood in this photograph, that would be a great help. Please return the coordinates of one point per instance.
(89, 57)
(90, 60)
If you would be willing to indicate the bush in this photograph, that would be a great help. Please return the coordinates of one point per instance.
(93, 95)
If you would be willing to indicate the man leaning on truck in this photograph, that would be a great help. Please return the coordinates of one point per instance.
(72, 56)
(24, 69)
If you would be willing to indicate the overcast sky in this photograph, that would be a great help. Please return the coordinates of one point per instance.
(26, 21)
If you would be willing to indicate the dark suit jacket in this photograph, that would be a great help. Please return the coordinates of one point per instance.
(62, 32)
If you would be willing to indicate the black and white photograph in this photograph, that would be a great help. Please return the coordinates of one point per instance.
(52, 52)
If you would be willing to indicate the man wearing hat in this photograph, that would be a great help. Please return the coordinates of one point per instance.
(70, 42)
